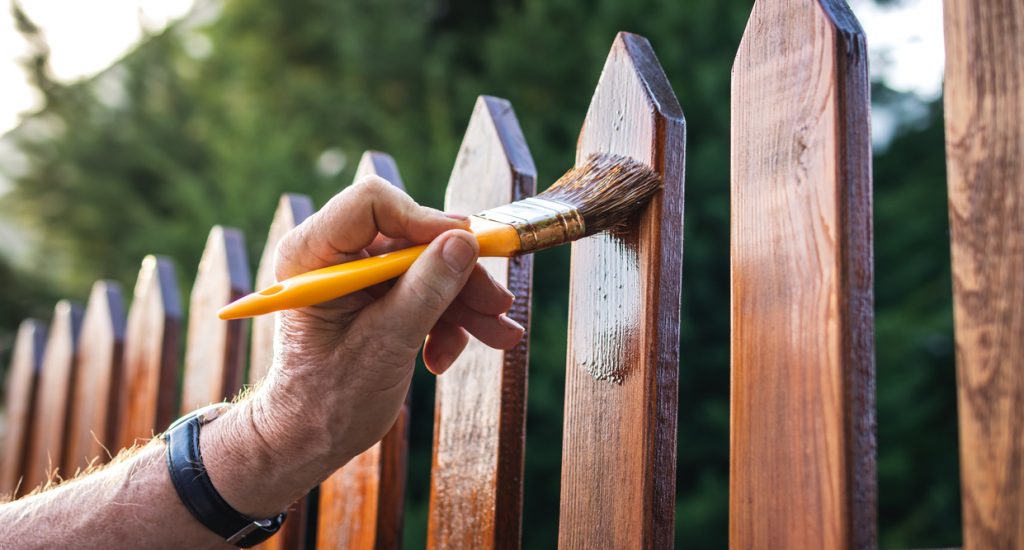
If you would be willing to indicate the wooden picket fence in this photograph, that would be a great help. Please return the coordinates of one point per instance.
(802, 460)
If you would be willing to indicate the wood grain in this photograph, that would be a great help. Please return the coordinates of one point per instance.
(361, 505)
(802, 468)
(476, 487)
(149, 392)
(95, 397)
(984, 104)
(215, 349)
(292, 209)
(19, 405)
(619, 442)
(52, 411)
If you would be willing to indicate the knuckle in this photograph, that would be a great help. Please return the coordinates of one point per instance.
(371, 184)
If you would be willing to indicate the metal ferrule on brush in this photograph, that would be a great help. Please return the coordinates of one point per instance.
(541, 223)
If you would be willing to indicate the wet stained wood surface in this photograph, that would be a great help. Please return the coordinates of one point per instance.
(619, 442)
(984, 117)
(19, 405)
(480, 410)
(802, 471)
(361, 504)
(95, 403)
(52, 411)
(292, 209)
(215, 349)
(149, 393)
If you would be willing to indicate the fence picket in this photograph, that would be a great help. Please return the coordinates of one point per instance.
(361, 504)
(95, 397)
(215, 349)
(19, 405)
(149, 390)
(802, 471)
(291, 210)
(56, 380)
(476, 485)
(619, 443)
(984, 108)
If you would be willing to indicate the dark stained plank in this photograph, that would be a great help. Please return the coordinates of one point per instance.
(19, 405)
(149, 391)
(215, 349)
(361, 504)
(95, 398)
(619, 442)
(802, 468)
(56, 381)
(292, 209)
(476, 488)
(984, 100)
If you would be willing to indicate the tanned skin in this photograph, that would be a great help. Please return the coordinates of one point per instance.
(341, 372)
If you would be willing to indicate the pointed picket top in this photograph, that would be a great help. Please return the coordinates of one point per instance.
(480, 409)
(19, 405)
(215, 349)
(619, 442)
(56, 380)
(376, 163)
(95, 404)
(361, 504)
(149, 392)
(292, 209)
(802, 466)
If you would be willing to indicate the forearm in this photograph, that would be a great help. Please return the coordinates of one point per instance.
(249, 456)
(131, 500)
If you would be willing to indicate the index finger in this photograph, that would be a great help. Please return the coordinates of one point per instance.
(352, 219)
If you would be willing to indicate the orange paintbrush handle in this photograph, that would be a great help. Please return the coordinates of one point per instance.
(336, 281)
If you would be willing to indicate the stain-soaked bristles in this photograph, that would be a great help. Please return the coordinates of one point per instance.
(605, 190)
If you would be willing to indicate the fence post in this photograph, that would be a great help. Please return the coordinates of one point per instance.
(984, 107)
(215, 349)
(55, 382)
(291, 210)
(619, 442)
(476, 487)
(22, 392)
(802, 460)
(149, 391)
(95, 405)
(361, 504)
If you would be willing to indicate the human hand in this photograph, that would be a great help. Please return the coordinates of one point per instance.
(345, 366)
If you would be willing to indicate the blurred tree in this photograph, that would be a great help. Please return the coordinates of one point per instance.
(210, 120)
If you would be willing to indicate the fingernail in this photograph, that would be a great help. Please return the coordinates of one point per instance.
(510, 323)
(457, 254)
(454, 216)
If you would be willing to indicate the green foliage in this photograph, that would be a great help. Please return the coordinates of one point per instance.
(209, 122)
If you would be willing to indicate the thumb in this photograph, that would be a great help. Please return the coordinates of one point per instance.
(411, 308)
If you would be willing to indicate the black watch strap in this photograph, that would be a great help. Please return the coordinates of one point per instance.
(191, 481)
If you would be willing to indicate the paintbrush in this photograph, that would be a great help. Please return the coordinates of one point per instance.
(588, 199)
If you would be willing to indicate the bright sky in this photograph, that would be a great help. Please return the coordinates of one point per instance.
(86, 37)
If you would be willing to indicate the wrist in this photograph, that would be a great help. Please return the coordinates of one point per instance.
(254, 468)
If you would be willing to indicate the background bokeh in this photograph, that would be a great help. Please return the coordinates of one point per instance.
(210, 119)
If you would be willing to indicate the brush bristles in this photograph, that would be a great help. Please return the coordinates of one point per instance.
(606, 189)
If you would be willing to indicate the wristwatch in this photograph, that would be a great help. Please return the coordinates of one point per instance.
(191, 481)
